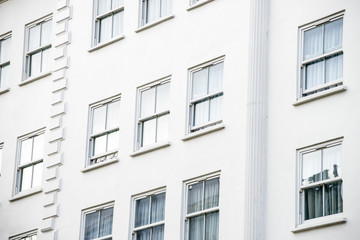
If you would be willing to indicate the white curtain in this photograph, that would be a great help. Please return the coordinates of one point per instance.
(333, 35)
(98, 119)
(112, 141)
(311, 167)
(165, 7)
(45, 62)
(38, 147)
(314, 74)
(162, 97)
(46, 32)
(91, 226)
(118, 20)
(117, 3)
(195, 197)
(103, 6)
(196, 227)
(142, 212)
(216, 77)
(153, 10)
(162, 128)
(313, 203)
(34, 38)
(113, 115)
(99, 145)
(105, 29)
(212, 226)
(4, 75)
(199, 83)
(313, 43)
(143, 234)
(106, 221)
(333, 198)
(37, 175)
(26, 151)
(35, 63)
(334, 68)
(331, 162)
(147, 102)
(149, 132)
(216, 108)
(211, 193)
(26, 175)
(201, 113)
(158, 233)
(157, 208)
(5, 50)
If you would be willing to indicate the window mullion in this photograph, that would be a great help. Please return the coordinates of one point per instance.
(149, 217)
(98, 226)
(204, 226)
(155, 110)
(203, 198)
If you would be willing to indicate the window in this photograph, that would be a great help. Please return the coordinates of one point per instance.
(26, 236)
(109, 20)
(104, 130)
(205, 95)
(1, 155)
(30, 161)
(149, 216)
(152, 10)
(98, 223)
(38, 46)
(5, 43)
(153, 113)
(202, 209)
(321, 56)
(320, 184)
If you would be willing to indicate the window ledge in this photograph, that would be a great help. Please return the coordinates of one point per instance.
(196, 5)
(318, 95)
(104, 44)
(320, 222)
(25, 193)
(32, 79)
(149, 25)
(99, 165)
(150, 148)
(4, 90)
(203, 131)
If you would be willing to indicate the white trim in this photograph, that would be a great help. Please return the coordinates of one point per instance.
(25, 234)
(321, 94)
(154, 23)
(106, 43)
(198, 4)
(320, 222)
(150, 148)
(99, 165)
(4, 90)
(34, 78)
(203, 131)
(26, 193)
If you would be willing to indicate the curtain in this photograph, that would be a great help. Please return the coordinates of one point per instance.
(142, 212)
(216, 108)
(162, 128)
(334, 68)
(105, 28)
(331, 162)
(333, 35)
(165, 7)
(211, 193)
(37, 175)
(113, 115)
(333, 198)
(99, 145)
(38, 147)
(118, 20)
(149, 132)
(46, 33)
(212, 226)
(4, 75)
(45, 62)
(201, 112)
(199, 83)
(112, 140)
(106, 221)
(5, 50)
(157, 208)
(35, 63)
(313, 203)
(103, 6)
(162, 97)
(195, 197)
(158, 233)
(117, 3)
(34, 38)
(216, 77)
(147, 102)
(312, 42)
(196, 227)
(143, 234)
(153, 10)
(314, 74)
(26, 151)
(26, 175)
(91, 225)
(98, 119)
(311, 167)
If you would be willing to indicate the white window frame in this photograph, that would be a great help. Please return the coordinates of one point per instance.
(136, 197)
(96, 209)
(5, 63)
(24, 236)
(300, 189)
(1, 155)
(197, 3)
(186, 216)
(302, 63)
(28, 53)
(143, 14)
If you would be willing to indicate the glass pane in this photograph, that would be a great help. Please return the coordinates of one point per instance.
(314, 74)
(216, 108)
(313, 43)
(149, 132)
(333, 35)
(201, 113)
(26, 151)
(113, 141)
(313, 206)
(105, 29)
(99, 118)
(334, 68)
(162, 128)
(333, 198)
(143, 235)
(34, 38)
(162, 97)
(216, 77)
(99, 145)
(157, 208)
(142, 212)
(38, 152)
(104, 6)
(46, 33)
(195, 198)
(46, 57)
(311, 167)
(106, 222)
(199, 83)
(26, 175)
(211, 193)
(158, 233)
(4, 77)
(1, 153)
(196, 228)
(118, 20)
(153, 10)
(37, 175)
(165, 7)
(117, 3)
(147, 102)
(35, 64)
(91, 226)
(331, 162)
(113, 115)
(5, 50)
(212, 226)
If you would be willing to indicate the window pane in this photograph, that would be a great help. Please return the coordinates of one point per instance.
(4, 77)
(26, 175)
(99, 145)
(196, 227)
(46, 33)
(334, 68)
(106, 221)
(333, 35)
(1, 153)
(165, 7)
(35, 64)
(26, 151)
(157, 208)
(147, 102)
(37, 175)
(313, 203)
(158, 233)
(105, 28)
(143, 235)
(216, 108)
(46, 57)
(104, 6)
(314, 74)
(34, 38)
(216, 77)
(211, 193)
(331, 162)
(117, 3)
(113, 141)
(38, 152)
(99, 118)
(91, 225)
(212, 226)
(5, 50)
(311, 167)
(333, 198)
(199, 83)
(201, 113)
(153, 10)
(118, 20)
(312, 42)
(149, 132)
(162, 97)
(142, 212)
(113, 115)
(162, 128)
(195, 197)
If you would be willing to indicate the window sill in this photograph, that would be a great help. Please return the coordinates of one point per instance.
(104, 44)
(150, 148)
(149, 25)
(99, 165)
(196, 5)
(32, 79)
(203, 131)
(25, 193)
(318, 95)
(320, 222)
(4, 90)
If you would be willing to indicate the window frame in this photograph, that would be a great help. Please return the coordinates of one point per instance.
(25, 235)
(3, 37)
(1, 155)
(143, 13)
(325, 87)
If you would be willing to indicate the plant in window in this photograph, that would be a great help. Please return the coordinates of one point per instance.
(4, 60)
